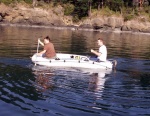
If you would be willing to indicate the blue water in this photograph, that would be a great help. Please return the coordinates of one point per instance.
(27, 90)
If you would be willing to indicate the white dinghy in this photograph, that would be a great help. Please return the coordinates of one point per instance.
(71, 60)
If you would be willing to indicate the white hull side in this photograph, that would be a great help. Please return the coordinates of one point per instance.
(71, 60)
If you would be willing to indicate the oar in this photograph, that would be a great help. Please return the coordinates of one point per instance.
(37, 47)
(37, 51)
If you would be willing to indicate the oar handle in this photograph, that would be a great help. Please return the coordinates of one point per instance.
(38, 46)
(37, 51)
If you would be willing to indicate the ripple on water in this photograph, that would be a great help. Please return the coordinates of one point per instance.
(48, 91)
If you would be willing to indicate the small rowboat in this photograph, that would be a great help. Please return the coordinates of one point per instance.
(71, 60)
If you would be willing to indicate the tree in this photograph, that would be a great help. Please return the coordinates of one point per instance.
(81, 8)
(89, 7)
(141, 3)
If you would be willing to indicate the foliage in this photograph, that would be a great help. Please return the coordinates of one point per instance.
(27, 1)
(115, 5)
(7, 1)
(68, 9)
(76, 18)
(82, 8)
(128, 17)
(129, 13)
(106, 11)
(147, 9)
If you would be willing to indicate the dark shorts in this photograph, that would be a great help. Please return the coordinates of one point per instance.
(96, 59)
(44, 55)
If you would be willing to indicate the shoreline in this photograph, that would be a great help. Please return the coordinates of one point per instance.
(54, 18)
(73, 28)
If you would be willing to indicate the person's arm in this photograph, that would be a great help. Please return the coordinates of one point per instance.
(40, 42)
(42, 52)
(95, 52)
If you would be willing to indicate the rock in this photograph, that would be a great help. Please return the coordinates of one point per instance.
(18, 19)
(87, 26)
(107, 22)
(107, 28)
(68, 20)
(114, 22)
(135, 29)
(8, 19)
(147, 30)
(97, 23)
(57, 22)
(4, 9)
(13, 14)
(125, 28)
(136, 26)
(111, 22)
(58, 10)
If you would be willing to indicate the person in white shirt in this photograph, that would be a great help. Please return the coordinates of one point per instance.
(102, 53)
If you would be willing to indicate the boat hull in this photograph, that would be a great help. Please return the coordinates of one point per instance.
(71, 60)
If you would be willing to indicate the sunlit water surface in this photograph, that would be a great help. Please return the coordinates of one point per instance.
(28, 90)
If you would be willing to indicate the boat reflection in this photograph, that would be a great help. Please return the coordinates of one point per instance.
(97, 83)
(50, 78)
(43, 80)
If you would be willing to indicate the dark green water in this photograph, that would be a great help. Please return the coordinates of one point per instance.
(27, 90)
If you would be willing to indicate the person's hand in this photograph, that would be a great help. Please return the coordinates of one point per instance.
(92, 50)
(39, 41)
(36, 54)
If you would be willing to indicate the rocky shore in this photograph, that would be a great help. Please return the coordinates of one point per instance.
(54, 17)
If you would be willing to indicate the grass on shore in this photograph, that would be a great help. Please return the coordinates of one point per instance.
(126, 13)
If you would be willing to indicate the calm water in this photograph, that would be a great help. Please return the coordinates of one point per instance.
(28, 90)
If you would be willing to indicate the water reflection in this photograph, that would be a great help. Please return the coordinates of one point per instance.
(72, 91)
(96, 82)
(96, 86)
(47, 91)
(79, 42)
(43, 80)
(71, 80)
(16, 89)
(24, 44)
(76, 89)
(145, 80)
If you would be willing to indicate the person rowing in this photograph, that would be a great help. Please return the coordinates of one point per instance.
(69, 60)
(102, 53)
(49, 50)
